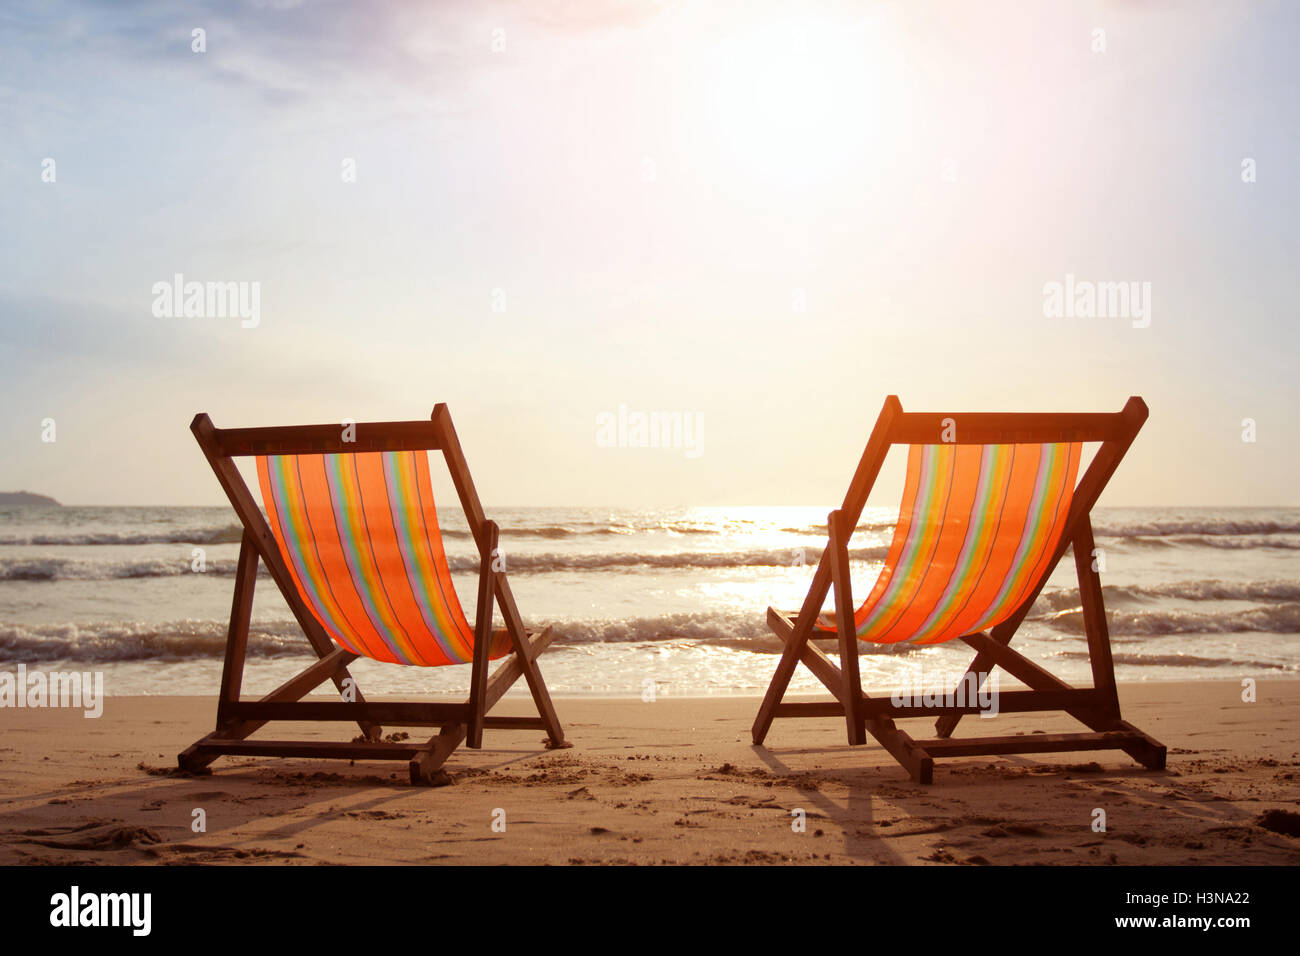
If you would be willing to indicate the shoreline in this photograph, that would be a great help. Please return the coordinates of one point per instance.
(673, 781)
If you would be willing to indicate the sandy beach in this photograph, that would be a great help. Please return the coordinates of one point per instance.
(674, 781)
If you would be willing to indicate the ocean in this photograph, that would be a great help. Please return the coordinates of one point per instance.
(672, 600)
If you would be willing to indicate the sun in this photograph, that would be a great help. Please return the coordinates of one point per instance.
(803, 101)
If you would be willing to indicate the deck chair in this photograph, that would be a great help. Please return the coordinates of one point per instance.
(990, 505)
(351, 539)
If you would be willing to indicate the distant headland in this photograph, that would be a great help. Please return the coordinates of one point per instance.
(27, 498)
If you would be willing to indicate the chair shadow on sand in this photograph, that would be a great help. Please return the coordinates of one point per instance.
(230, 800)
(1145, 809)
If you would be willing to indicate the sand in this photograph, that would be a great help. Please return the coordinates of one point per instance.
(674, 781)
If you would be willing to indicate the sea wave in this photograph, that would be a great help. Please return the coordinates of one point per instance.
(1141, 659)
(64, 569)
(741, 630)
(750, 558)
(1193, 527)
(711, 626)
(1277, 619)
(229, 533)
(72, 569)
(1155, 529)
(1280, 541)
(133, 641)
(217, 534)
(819, 530)
(190, 639)
(1205, 531)
(1115, 596)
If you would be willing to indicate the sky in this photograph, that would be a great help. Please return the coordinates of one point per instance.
(765, 217)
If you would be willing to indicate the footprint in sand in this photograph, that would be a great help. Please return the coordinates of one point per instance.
(95, 835)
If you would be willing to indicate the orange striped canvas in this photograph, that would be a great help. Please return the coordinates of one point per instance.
(359, 533)
(976, 529)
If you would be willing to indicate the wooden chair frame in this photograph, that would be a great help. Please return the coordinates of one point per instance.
(237, 719)
(1097, 707)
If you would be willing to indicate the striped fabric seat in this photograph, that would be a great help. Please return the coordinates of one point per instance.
(977, 526)
(359, 533)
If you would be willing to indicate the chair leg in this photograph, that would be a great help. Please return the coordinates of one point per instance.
(1146, 750)
(913, 758)
(191, 761)
(522, 662)
(846, 630)
(1094, 619)
(795, 641)
(775, 692)
(528, 652)
(425, 768)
